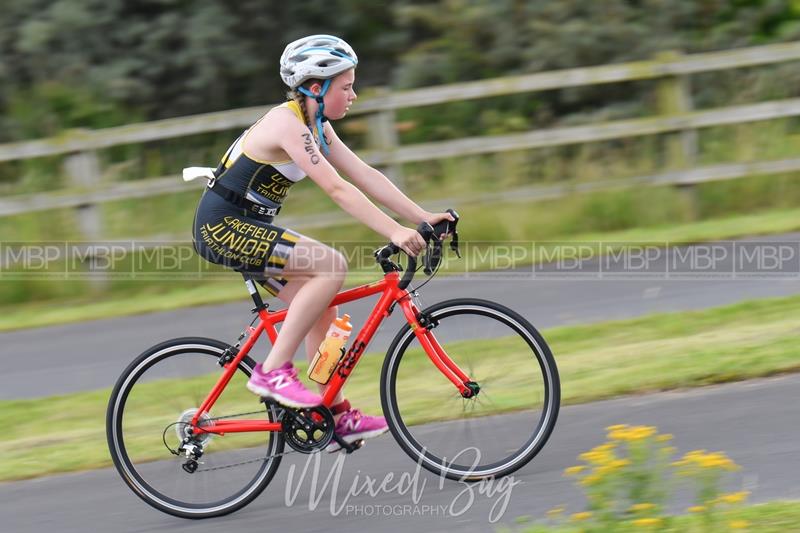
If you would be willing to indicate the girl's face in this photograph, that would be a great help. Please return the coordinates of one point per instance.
(340, 94)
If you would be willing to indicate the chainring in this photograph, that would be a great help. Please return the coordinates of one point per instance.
(308, 430)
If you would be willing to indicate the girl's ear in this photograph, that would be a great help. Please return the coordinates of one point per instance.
(315, 88)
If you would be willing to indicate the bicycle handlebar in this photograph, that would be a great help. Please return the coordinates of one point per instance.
(432, 259)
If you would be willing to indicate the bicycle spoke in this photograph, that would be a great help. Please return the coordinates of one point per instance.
(498, 351)
(168, 386)
(485, 397)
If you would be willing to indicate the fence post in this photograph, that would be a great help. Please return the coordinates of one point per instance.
(674, 97)
(83, 171)
(382, 137)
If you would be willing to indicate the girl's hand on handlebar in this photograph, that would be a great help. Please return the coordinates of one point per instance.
(434, 218)
(408, 240)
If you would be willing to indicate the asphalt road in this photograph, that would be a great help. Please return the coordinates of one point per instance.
(63, 359)
(754, 422)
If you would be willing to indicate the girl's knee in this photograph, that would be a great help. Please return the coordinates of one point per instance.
(332, 266)
(329, 315)
(338, 264)
(314, 258)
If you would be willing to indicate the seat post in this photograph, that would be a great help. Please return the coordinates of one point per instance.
(253, 290)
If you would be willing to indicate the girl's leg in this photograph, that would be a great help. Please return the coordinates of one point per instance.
(316, 273)
(317, 331)
(359, 425)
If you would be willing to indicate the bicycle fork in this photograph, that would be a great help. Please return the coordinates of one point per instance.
(421, 324)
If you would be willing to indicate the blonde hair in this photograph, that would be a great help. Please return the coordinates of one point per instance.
(300, 98)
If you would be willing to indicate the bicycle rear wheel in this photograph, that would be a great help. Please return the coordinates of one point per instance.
(149, 407)
(505, 424)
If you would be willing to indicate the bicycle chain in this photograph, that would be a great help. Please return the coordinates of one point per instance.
(260, 459)
(250, 461)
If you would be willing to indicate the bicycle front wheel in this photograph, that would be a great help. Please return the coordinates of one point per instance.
(499, 429)
(148, 412)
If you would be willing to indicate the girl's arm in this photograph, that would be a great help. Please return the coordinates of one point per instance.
(297, 142)
(375, 183)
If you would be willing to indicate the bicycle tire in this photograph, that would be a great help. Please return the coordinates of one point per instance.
(139, 475)
(428, 395)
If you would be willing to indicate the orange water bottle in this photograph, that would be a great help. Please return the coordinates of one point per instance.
(331, 350)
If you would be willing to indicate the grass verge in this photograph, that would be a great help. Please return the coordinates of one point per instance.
(192, 293)
(657, 352)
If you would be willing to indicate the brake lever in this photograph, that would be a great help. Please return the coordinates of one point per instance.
(444, 227)
(454, 244)
(433, 256)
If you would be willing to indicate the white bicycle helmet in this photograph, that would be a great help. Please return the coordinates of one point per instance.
(316, 56)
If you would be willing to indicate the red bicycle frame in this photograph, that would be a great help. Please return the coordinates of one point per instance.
(392, 294)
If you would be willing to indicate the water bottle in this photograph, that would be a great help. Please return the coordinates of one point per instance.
(331, 350)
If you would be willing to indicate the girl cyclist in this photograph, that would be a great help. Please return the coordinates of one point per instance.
(234, 221)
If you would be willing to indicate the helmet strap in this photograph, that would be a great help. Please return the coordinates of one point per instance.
(320, 115)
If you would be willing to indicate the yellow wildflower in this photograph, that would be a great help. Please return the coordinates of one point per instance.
(632, 433)
(619, 434)
(694, 454)
(664, 438)
(734, 497)
(580, 517)
(597, 456)
(612, 466)
(642, 507)
(701, 459)
(739, 524)
(591, 479)
(574, 470)
(605, 447)
(717, 460)
(647, 522)
(696, 508)
(646, 431)
(616, 427)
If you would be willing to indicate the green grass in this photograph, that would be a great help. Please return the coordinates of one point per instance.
(658, 352)
(773, 517)
(132, 297)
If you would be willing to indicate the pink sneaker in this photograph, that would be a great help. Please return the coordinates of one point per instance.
(354, 425)
(283, 386)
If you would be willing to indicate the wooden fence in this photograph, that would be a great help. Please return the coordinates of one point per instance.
(670, 70)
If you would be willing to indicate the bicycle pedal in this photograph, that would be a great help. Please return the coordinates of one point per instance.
(353, 446)
(348, 447)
